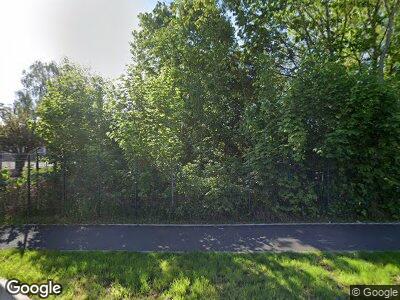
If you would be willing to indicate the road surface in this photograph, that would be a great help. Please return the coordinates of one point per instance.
(186, 238)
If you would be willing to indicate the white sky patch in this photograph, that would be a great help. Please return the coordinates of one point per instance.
(94, 33)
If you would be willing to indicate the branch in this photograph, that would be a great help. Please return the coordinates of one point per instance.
(389, 33)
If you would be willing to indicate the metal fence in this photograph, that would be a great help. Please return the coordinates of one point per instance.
(104, 188)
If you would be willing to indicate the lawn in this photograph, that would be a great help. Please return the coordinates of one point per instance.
(122, 275)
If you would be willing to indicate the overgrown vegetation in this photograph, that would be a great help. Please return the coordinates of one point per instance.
(234, 111)
(109, 275)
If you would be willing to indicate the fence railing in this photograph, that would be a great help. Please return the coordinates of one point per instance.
(105, 189)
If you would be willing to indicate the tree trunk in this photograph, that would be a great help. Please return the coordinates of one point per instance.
(20, 160)
(389, 32)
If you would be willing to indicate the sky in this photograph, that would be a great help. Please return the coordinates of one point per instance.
(94, 33)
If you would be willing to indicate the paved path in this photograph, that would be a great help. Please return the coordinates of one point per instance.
(175, 238)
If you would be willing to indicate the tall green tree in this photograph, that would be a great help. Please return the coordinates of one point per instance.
(73, 124)
(355, 32)
(34, 82)
(17, 136)
(182, 99)
(19, 122)
(70, 115)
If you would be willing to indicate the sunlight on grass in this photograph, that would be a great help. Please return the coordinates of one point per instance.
(122, 275)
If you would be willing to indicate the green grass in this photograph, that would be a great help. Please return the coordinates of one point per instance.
(122, 275)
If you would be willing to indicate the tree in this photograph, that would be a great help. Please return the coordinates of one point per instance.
(19, 123)
(17, 136)
(183, 96)
(329, 137)
(70, 113)
(73, 124)
(366, 145)
(354, 32)
(195, 41)
(34, 82)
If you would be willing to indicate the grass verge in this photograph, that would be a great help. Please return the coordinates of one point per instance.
(122, 275)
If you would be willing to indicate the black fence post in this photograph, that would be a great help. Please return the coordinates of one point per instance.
(37, 161)
(248, 190)
(64, 183)
(99, 183)
(135, 180)
(29, 185)
(135, 193)
(249, 198)
(37, 179)
(172, 189)
(328, 188)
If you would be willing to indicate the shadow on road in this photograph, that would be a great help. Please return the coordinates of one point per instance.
(250, 238)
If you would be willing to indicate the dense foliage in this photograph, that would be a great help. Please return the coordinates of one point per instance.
(240, 110)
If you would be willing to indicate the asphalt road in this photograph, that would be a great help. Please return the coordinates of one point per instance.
(177, 238)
